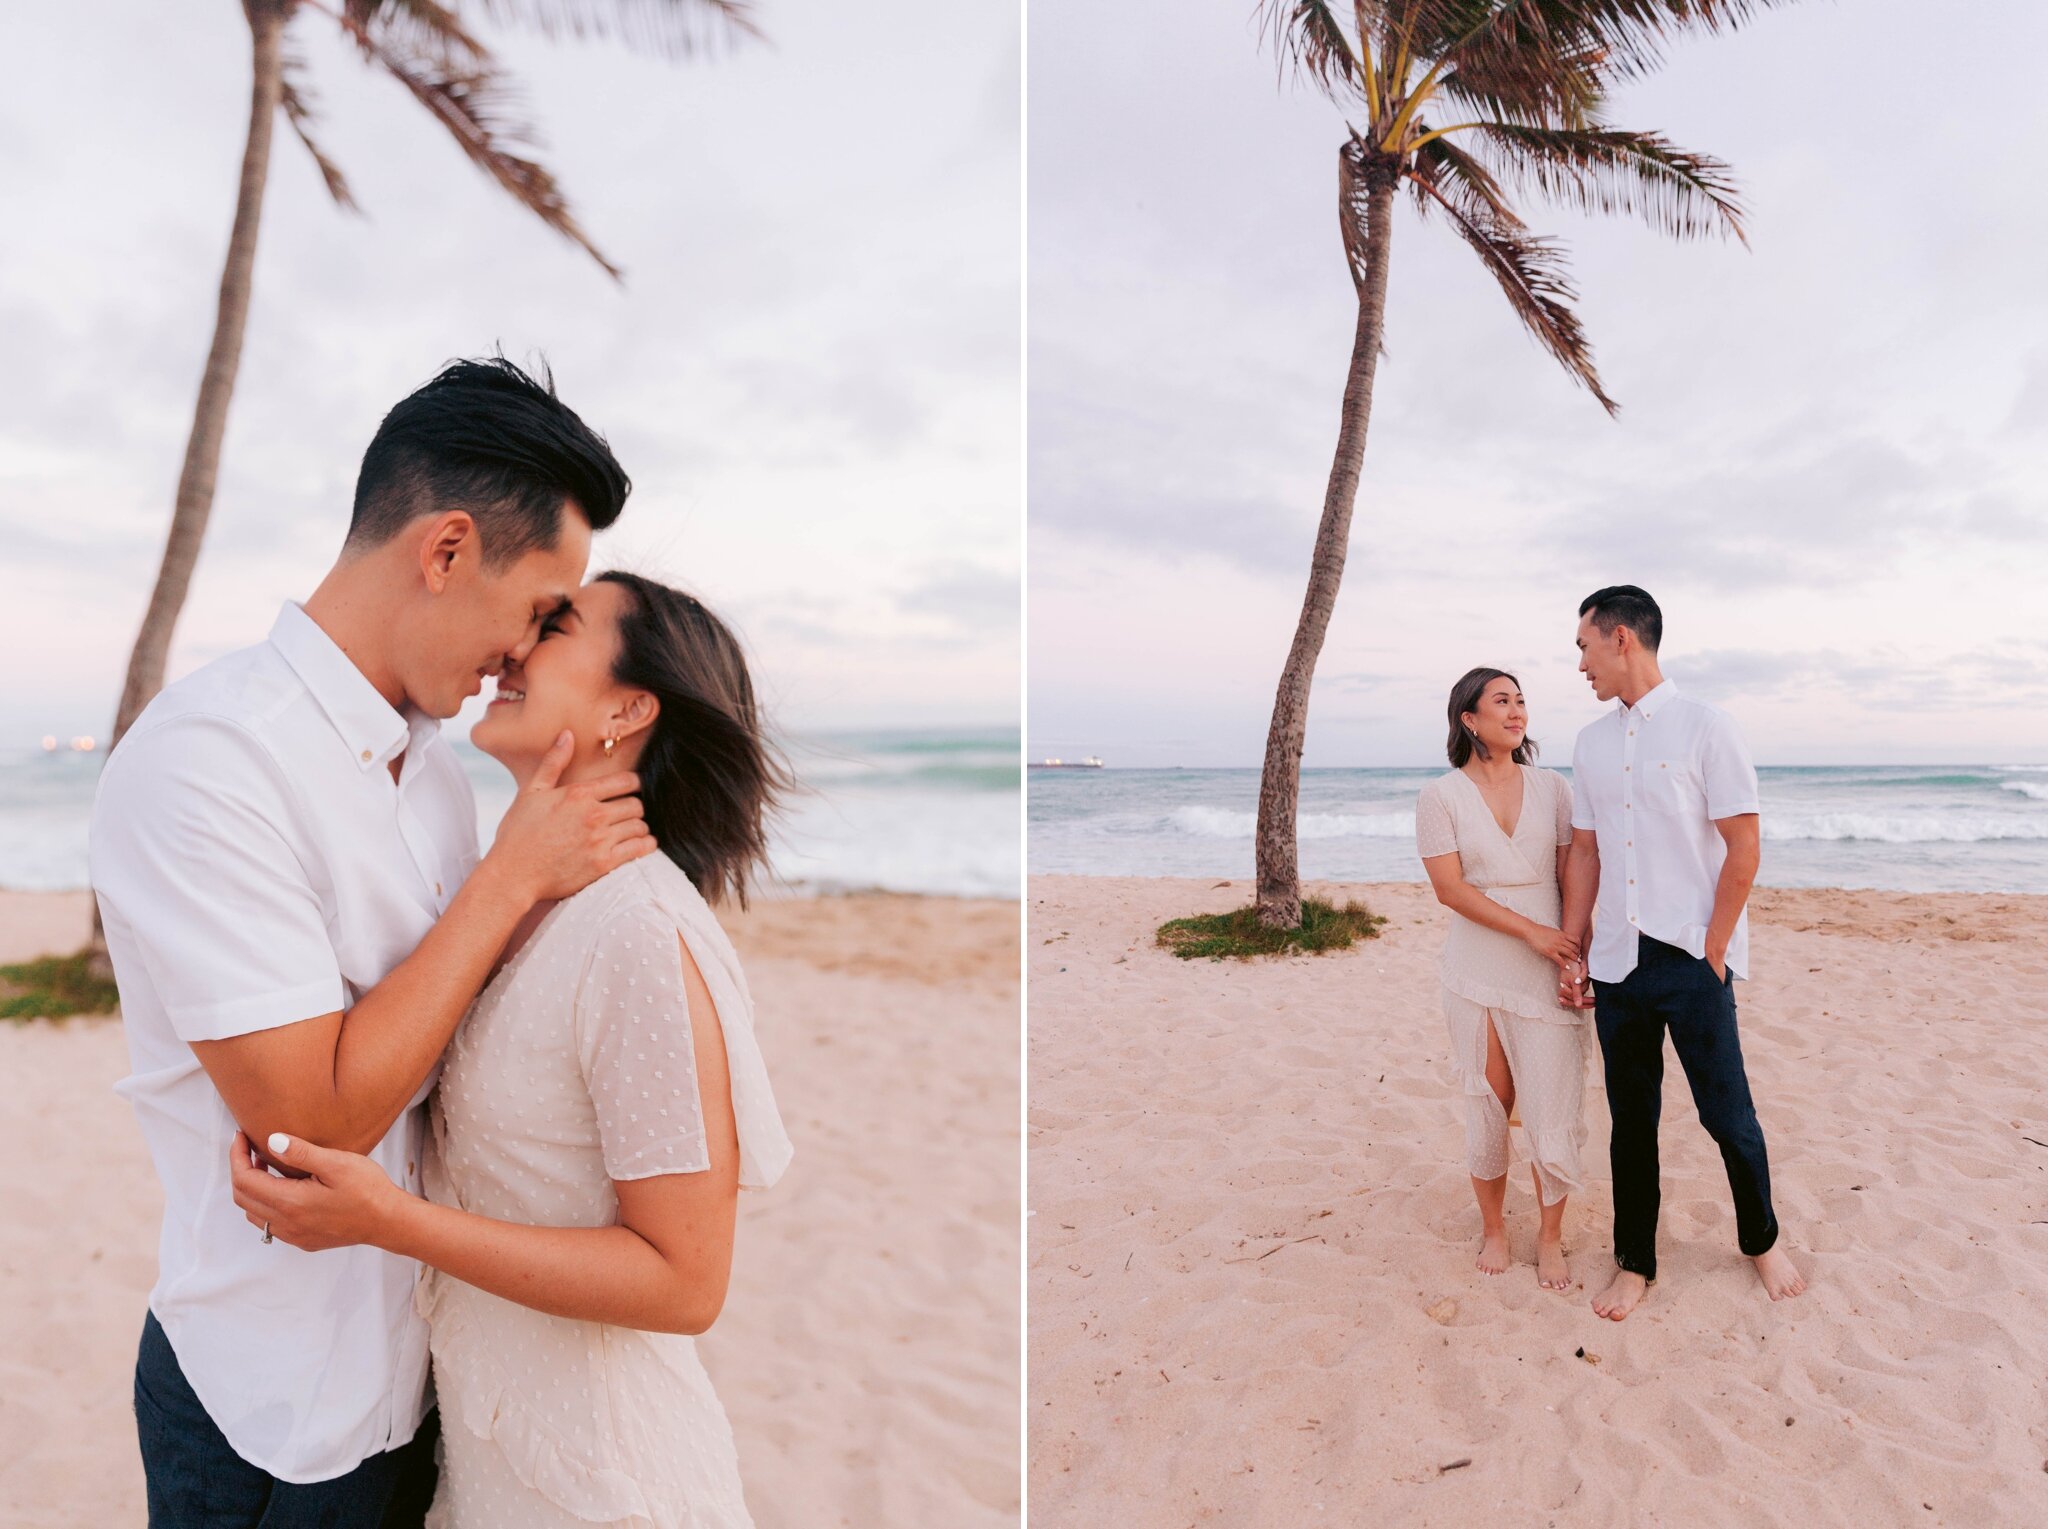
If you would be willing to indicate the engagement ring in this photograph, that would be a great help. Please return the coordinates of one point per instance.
(266, 1231)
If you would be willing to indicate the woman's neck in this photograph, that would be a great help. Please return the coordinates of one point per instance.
(1496, 771)
(595, 767)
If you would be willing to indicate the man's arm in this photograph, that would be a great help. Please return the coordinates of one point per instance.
(1579, 886)
(663, 1268)
(1743, 834)
(340, 1079)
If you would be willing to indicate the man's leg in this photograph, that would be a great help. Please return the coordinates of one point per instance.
(419, 1472)
(1631, 1027)
(1704, 1035)
(195, 1479)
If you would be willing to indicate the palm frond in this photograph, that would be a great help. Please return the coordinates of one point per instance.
(1306, 36)
(418, 26)
(1443, 167)
(1626, 37)
(297, 102)
(480, 110)
(669, 28)
(1642, 175)
(1530, 269)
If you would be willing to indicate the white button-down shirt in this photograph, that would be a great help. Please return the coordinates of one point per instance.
(256, 865)
(1650, 780)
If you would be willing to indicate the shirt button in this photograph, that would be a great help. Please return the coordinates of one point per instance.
(366, 756)
(437, 889)
(1626, 768)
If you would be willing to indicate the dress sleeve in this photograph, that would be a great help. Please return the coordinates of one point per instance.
(635, 1044)
(1434, 834)
(204, 885)
(1561, 791)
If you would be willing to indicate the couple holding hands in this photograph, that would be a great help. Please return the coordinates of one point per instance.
(1620, 894)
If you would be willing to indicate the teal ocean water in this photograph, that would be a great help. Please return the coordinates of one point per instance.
(903, 811)
(1935, 828)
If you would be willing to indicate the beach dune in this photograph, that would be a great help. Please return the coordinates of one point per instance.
(868, 1352)
(1250, 1252)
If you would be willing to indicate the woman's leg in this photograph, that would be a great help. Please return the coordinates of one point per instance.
(1552, 1273)
(1492, 1193)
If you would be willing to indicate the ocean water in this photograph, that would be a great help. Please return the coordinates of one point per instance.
(903, 811)
(1936, 828)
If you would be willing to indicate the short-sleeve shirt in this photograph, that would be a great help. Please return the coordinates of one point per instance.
(1651, 780)
(256, 865)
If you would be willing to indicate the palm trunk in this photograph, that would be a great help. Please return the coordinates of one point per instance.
(1372, 180)
(216, 387)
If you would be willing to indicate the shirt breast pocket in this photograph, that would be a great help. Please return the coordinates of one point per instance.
(1671, 787)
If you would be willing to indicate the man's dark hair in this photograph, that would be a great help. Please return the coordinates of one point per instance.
(486, 437)
(1626, 605)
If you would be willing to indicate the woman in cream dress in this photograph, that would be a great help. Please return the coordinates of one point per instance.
(1492, 835)
(598, 1111)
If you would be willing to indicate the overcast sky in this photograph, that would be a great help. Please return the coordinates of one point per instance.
(1829, 467)
(811, 374)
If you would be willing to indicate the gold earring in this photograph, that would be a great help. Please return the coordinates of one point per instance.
(609, 745)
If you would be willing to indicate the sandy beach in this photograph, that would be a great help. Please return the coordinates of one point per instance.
(1251, 1238)
(868, 1353)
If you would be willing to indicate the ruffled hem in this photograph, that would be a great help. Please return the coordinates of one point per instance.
(1511, 1001)
(542, 1459)
(1551, 1170)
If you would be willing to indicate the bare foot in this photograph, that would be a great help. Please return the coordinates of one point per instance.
(1493, 1252)
(1781, 1278)
(1552, 1273)
(1622, 1296)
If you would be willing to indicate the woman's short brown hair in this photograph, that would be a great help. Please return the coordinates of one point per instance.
(1465, 697)
(708, 778)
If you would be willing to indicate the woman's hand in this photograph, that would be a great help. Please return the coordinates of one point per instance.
(1574, 991)
(1554, 945)
(344, 1200)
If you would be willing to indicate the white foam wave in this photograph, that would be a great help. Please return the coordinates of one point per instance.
(1221, 823)
(2035, 789)
(1958, 829)
(1833, 827)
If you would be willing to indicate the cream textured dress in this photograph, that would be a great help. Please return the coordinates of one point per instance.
(1484, 972)
(575, 1067)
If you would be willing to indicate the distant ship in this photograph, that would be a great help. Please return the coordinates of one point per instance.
(1090, 763)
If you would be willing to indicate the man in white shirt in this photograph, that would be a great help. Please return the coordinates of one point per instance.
(284, 849)
(1666, 840)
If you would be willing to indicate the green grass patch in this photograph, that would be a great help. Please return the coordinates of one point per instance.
(53, 988)
(1240, 935)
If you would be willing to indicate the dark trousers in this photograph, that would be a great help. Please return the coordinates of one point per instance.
(197, 1481)
(1671, 990)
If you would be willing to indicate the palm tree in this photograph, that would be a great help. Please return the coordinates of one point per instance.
(443, 65)
(1524, 82)
(427, 48)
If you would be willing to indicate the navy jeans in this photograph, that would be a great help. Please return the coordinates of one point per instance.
(1672, 990)
(197, 1481)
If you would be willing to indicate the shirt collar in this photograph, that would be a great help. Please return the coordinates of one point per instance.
(374, 731)
(1653, 700)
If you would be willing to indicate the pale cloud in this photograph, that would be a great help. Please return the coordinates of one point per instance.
(811, 372)
(1829, 445)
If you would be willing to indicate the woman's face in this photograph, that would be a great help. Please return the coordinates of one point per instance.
(1501, 719)
(566, 682)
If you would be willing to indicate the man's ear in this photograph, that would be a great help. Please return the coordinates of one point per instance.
(450, 538)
